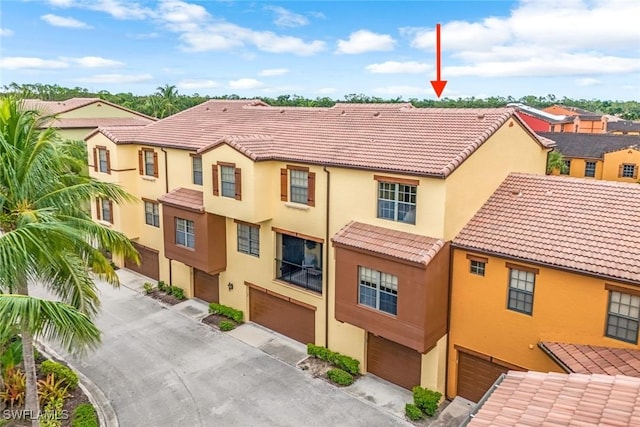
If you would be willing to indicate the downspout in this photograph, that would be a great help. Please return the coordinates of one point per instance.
(446, 357)
(166, 190)
(326, 251)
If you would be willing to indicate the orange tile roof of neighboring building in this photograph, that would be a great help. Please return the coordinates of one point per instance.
(94, 122)
(575, 224)
(553, 399)
(589, 359)
(397, 244)
(390, 137)
(184, 198)
(58, 107)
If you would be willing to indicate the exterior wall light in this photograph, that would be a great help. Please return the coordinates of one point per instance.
(230, 286)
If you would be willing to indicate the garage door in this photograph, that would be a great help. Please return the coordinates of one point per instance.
(476, 375)
(149, 262)
(206, 286)
(393, 362)
(283, 315)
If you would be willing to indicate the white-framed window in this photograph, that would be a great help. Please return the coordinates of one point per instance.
(249, 239)
(629, 171)
(590, 169)
(185, 233)
(103, 160)
(378, 290)
(623, 317)
(152, 214)
(299, 181)
(397, 201)
(150, 167)
(105, 212)
(228, 181)
(521, 287)
(477, 267)
(196, 163)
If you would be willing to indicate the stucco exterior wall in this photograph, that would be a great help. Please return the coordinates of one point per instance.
(612, 162)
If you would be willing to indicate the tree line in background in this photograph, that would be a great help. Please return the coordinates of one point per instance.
(166, 100)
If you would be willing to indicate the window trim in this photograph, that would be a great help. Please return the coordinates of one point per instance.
(97, 163)
(157, 207)
(142, 164)
(186, 233)
(251, 226)
(99, 211)
(378, 290)
(610, 290)
(621, 171)
(216, 180)
(193, 170)
(586, 167)
(397, 182)
(525, 269)
(567, 165)
(285, 185)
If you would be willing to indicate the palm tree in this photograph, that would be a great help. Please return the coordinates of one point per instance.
(169, 96)
(46, 236)
(555, 161)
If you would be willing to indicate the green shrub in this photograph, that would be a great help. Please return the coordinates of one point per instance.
(162, 286)
(52, 413)
(226, 325)
(61, 372)
(148, 288)
(413, 412)
(177, 292)
(52, 388)
(427, 400)
(340, 377)
(84, 416)
(341, 361)
(233, 314)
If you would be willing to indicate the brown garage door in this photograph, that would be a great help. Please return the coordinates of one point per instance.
(206, 286)
(476, 375)
(393, 362)
(149, 262)
(282, 315)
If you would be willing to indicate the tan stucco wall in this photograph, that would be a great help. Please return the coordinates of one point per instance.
(74, 134)
(612, 162)
(578, 167)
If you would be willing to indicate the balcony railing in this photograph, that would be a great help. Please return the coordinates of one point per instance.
(306, 277)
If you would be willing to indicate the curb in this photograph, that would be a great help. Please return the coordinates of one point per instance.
(106, 415)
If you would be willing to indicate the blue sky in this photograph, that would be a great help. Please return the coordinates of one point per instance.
(574, 48)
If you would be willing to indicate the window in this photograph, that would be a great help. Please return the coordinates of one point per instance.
(104, 210)
(521, 285)
(590, 169)
(298, 185)
(397, 202)
(227, 180)
(101, 159)
(299, 261)
(249, 239)
(628, 170)
(151, 214)
(378, 290)
(477, 267)
(566, 170)
(185, 233)
(197, 170)
(148, 162)
(623, 317)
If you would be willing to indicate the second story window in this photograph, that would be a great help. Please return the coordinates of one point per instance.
(628, 170)
(566, 170)
(227, 180)
(298, 185)
(249, 239)
(148, 162)
(590, 169)
(151, 214)
(104, 210)
(299, 261)
(397, 200)
(623, 317)
(185, 233)
(103, 160)
(521, 286)
(196, 163)
(378, 290)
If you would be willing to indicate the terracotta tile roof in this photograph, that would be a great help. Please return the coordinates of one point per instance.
(576, 224)
(118, 134)
(589, 359)
(94, 122)
(184, 198)
(553, 399)
(590, 145)
(388, 137)
(397, 244)
(59, 107)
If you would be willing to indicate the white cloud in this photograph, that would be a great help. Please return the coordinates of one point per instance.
(182, 16)
(287, 18)
(5, 32)
(326, 90)
(61, 3)
(23, 62)
(118, 9)
(96, 62)
(197, 84)
(394, 67)
(117, 78)
(273, 72)
(588, 81)
(144, 36)
(365, 41)
(64, 21)
(245, 84)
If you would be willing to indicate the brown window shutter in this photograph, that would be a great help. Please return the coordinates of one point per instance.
(140, 162)
(311, 189)
(108, 162)
(635, 171)
(155, 164)
(283, 185)
(98, 208)
(111, 211)
(214, 180)
(620, 169)
(238, 184)
(95, 159)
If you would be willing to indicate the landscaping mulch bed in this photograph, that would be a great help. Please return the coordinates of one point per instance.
(215, 319)
(316, 367)
(165, 298)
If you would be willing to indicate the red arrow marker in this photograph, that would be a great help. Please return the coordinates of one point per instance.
(438, 85)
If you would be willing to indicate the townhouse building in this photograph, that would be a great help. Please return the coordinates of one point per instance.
(328, 225)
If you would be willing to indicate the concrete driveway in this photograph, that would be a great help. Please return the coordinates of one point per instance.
(160, 368)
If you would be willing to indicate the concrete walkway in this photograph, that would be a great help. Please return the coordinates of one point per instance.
(160, 367)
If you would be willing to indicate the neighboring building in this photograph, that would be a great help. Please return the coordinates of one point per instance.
(550, 399)
(75, 118)
(328, 225)
(584, 121)
(547, 259)
(557, 119)
(623, 127)
(602, 156)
